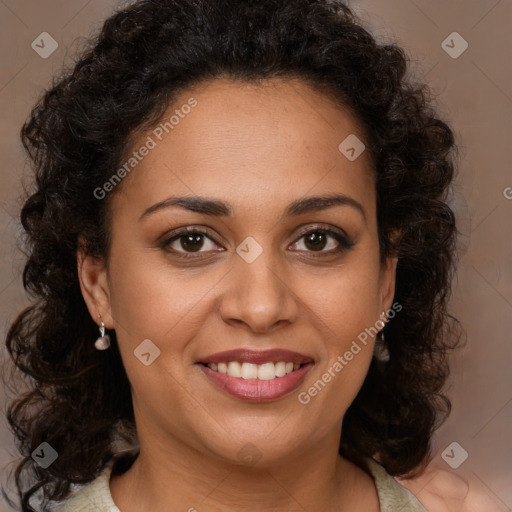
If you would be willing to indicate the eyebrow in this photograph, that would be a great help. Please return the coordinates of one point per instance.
(216, 208)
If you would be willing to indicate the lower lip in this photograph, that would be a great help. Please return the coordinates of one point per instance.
(254, 390)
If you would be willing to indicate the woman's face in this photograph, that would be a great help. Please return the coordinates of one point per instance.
(264, 274)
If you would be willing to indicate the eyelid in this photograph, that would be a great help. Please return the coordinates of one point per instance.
(323, 227)
(178, 232)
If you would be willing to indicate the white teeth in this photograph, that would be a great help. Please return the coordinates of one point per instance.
(280, 369)
(249, 371)
(234, 369)
(266, 371)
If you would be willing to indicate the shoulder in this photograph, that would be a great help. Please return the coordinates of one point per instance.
(93, 496)
(392, 495)
(96, 495)
(444, 491)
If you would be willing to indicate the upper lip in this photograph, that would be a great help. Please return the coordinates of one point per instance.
(257, 356)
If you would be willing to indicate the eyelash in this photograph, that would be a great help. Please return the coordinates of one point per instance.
(344, 241)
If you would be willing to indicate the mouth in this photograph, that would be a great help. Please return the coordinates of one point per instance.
(256, 376)
(250, 371)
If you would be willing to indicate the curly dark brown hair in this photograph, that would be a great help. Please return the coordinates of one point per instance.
(77, 135)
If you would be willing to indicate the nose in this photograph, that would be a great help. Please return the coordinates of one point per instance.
(259, 295)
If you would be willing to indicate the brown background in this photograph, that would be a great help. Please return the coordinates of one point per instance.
(473, 92)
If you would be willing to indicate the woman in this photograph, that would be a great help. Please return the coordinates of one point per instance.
(241, 255)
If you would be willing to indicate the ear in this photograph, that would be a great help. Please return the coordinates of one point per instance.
(93, 277)
(388, 272)
(387, 282)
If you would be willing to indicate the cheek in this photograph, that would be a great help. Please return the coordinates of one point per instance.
(345, 309)
(345, 302)
(151, 302)
(148, 300)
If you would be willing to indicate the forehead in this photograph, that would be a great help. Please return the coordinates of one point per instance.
(273, 139)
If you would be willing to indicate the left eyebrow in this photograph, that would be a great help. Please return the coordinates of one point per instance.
(216, 208)
(318, 203)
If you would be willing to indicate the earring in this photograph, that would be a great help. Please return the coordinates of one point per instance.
(103, 342)
(381, 352)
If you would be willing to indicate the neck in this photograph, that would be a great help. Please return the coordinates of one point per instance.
(172, 473)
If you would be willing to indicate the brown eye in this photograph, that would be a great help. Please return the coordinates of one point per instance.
(316, 240)
(189, 241)
(192, 242)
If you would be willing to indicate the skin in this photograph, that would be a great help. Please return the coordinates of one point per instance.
(258, 148)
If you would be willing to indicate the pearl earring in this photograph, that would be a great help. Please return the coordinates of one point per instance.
(381, 352)
(103, 342)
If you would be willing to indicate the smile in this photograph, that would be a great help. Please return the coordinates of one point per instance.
(247, 371)
(256, 376)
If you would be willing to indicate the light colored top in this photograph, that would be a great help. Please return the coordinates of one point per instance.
(96, 495)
